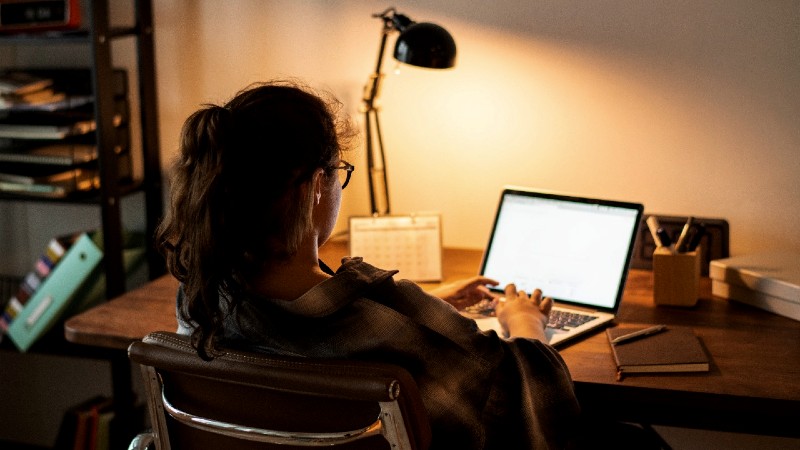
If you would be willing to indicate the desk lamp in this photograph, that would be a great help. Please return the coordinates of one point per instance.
(420, 44)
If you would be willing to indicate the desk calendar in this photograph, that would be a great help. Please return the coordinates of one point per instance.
(411, 244)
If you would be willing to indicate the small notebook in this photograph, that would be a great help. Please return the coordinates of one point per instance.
(676, 349)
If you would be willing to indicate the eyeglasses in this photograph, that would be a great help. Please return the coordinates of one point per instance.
(344, 177)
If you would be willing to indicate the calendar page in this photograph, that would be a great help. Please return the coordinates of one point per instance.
(411, 244)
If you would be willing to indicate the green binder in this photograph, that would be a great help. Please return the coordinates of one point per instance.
(54, 295)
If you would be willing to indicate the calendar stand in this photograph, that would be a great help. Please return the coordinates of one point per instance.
(411, 244)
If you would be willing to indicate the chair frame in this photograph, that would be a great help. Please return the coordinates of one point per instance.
(399, 416)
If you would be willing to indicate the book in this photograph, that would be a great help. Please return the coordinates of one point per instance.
(53, 296)
(53, 182)
(20, 82)
(55, 249)
(35, 98)
(775, 273)
(39, 15)
(77, 282)
(61, 90)
(676, 349)
(32, 114)
(46, 131)
(86, 425)
(102, 438)
(47, 190)
(56, 103)
(48, 125)
(42, 174)
(47, 153)
(78, 81)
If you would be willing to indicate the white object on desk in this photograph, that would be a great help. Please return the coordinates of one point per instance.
(411, 244)
(768, 280)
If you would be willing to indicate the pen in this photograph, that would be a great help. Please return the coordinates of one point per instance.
(679, 244)
(666, 241)
(652, 224)
(638, 334)
(685, 243)
(698, 235)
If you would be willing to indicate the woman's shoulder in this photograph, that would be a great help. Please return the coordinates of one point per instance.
(356, 266)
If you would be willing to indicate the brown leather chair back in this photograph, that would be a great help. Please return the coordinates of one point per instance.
(244, 400)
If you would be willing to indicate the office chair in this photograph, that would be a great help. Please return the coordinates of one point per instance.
(247, 400)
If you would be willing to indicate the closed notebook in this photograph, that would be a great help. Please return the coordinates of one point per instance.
(676, 349)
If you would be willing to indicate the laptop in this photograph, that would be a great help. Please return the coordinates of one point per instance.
(577, 250)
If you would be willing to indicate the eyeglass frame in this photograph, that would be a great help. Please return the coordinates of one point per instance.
(347, 167)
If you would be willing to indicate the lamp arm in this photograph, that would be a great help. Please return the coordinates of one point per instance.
(376, 160)
(372, 89)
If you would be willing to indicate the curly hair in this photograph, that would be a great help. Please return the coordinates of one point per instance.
(236, 193)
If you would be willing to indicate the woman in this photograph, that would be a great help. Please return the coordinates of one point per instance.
(256, 191)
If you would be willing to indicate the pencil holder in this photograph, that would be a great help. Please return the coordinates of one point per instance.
(676, 277)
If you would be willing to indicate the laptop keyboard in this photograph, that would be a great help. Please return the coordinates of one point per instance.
(565, 320)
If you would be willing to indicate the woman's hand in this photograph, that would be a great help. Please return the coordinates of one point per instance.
(523, 316)
(467, 292)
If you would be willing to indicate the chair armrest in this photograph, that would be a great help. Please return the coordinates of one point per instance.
(142, 441)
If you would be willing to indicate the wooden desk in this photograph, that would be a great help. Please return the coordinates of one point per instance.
(753, 385)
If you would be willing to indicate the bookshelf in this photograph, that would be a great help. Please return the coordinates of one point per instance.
(97, 38)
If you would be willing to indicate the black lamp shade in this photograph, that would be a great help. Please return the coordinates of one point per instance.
(426, 45)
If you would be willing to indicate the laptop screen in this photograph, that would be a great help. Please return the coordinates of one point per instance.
(576, 250)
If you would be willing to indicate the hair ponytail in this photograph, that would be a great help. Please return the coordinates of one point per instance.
(187, 235)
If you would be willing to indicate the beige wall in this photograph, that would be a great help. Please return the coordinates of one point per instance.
(688, 107)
